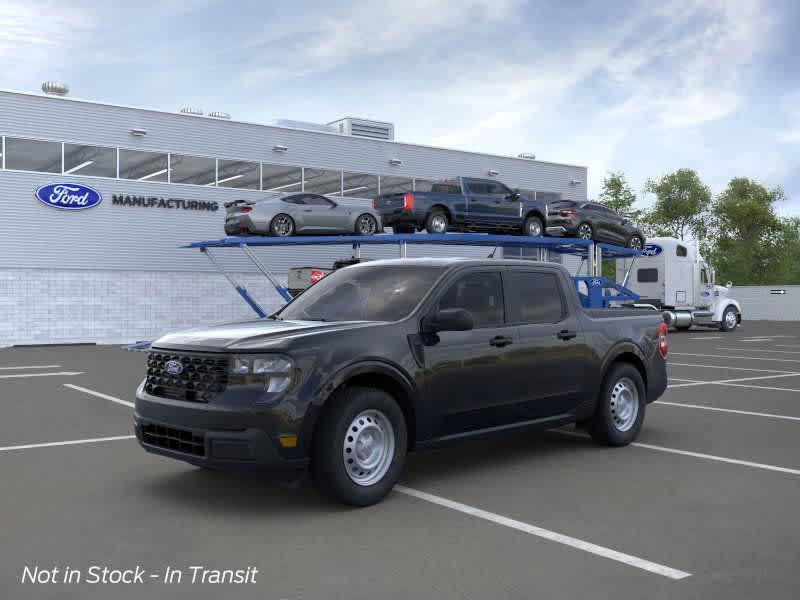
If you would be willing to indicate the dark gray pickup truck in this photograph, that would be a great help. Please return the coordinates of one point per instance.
(384, 357)
(463, 204)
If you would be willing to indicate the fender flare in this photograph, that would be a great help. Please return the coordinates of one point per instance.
(620, 348)
(724, 306)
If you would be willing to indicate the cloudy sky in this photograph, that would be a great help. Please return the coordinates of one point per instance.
(642, 87)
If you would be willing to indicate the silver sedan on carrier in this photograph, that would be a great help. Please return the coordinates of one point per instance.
(286, 214)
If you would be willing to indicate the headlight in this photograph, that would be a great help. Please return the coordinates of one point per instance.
(273, 371)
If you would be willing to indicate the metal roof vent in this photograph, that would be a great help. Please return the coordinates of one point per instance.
(192, 110)
(219, 115)
(527, 155)
(375, 130)
(54, 88)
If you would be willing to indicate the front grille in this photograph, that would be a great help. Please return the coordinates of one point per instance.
(180, 440)
(200, 378)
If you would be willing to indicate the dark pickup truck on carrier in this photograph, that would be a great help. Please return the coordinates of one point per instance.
(463, 204)
(384, 357)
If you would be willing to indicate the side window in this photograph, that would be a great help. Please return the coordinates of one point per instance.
(534, 298)
(680, 251)
(647, 275)
(318, 201)
(497, 188)
(479, 293)
(703, 276)
(295, 199)
(476, 187)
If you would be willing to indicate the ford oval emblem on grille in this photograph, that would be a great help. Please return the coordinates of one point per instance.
(173, 367)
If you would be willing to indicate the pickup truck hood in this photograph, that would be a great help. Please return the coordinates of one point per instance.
(247, 335)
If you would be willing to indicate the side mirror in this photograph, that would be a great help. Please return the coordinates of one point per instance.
(449, 319)
(729, 285)
(515, 195)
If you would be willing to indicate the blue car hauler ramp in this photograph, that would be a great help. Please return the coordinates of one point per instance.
(600, 292)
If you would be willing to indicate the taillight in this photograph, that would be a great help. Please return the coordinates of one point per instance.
(374, 203)
(663, 348)
(408, 201)
(568, 211)
(246, 209)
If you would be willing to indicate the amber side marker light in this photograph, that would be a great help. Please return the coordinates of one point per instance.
(288, 441)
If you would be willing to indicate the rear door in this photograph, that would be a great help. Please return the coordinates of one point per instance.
(552, 358)
(468, 373)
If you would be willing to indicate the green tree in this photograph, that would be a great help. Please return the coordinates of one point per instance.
(618, 195)
(681, 207)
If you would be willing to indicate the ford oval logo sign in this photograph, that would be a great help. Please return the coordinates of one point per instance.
(173, 367)
(68, 196)
(652, 250)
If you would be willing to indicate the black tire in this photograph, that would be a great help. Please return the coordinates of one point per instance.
(584, 227)
(366, 224)
(328, 467)
(533, 227)
(635, 242)
(276, 225)
(604, 426)
(729, 323)
(434, 219)
(403, 228)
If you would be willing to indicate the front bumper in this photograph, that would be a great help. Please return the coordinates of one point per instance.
(227, 438)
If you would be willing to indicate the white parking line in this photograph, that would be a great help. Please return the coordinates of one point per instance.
(760, 339)
(761, 387)
(687, 380)
(30, 367)
(729, 410)
(761, 350)
(791, 360)
(786, 345)
(67, 443)
(19, 375)
(99, 395)
(723, 381)
(633, 561)
(707, 337)
(712, 457)
(671, 364)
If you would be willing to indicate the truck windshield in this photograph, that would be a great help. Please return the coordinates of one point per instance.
(364, 293)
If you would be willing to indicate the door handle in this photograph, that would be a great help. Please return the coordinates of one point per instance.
(566, 334)
(308, 210)
(500, 341)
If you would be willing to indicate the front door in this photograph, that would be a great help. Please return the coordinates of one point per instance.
(322, 214)
(468, 372)
(489, 204)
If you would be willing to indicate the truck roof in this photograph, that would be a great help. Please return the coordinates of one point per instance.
(451, 261)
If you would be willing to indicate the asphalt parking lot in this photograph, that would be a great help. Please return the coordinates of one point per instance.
(704, 505)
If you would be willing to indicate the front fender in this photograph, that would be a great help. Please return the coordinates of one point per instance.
(720, 308)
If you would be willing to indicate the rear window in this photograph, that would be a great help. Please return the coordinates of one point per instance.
(534, 297)
(446, 188)
(647, 275)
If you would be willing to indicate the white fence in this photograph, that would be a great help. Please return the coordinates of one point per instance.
(768, 302)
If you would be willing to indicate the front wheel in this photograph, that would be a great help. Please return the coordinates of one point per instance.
(620, 410)
(436, 221)
(585, 232)
(366, 224)
(359, 449)
(533, 227)
(730, 319)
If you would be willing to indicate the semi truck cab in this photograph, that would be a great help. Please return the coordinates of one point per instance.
(672, 276)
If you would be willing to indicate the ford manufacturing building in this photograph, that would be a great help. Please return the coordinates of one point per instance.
(115, 272)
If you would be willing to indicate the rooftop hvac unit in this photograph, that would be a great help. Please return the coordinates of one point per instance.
(527, 155)
(54, 88)
(292, 124)
(219, 115)
(192, 110)
(376, 130)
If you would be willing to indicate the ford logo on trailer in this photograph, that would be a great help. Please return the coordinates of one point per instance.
(652, 250)
(68, 196)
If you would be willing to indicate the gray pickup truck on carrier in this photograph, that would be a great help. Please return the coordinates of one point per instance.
(463, 204)
(388, 356)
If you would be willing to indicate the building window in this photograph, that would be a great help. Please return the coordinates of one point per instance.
(144, 166)
(238, 174)
(396, 185)
(33, 155)
(280, 178)
(323, 181)
(90, 160)
(360, 185)
(195, 170)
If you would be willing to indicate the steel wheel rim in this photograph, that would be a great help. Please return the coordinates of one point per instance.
(439, 223)
(368, 448)
(282, 225)
(534, 229)
(730, 319)
(585, 232)
(366, 225)
(624, 404)
(636, 243)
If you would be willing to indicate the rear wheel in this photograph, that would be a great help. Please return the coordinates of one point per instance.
(620, 410)
(533, 227)
(730, 319)
(366, 224)
(436, 221)
(635, 242)
(281, 225)
(359, 448)
(585, 232)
